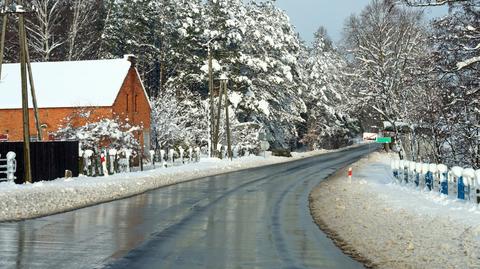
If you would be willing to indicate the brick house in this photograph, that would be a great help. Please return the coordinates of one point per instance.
(97, 89)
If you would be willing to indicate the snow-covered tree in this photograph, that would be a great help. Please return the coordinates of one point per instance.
(104, 132)
(258, 48)
(385, 44)
(428, 3)
(455, 42)
(328, 122)
(178, 119)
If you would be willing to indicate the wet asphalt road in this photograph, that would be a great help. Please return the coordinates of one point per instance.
(257, 218)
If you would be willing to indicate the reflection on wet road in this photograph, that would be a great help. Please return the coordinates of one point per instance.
(256, 218)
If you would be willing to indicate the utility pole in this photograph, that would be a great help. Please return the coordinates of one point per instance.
(219, 112)
(32, 90)
(210, 91)
(25, 70)
(4, 31)
(229, 138)
(26, 121)
(224, 94)
(213, 131)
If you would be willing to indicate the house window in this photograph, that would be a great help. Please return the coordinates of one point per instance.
(136, 107)
(127, 102)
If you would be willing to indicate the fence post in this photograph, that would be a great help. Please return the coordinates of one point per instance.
(394, 166)
(81, 160)
(406, 172)
(477, 185)
(128, 154)
(162, 157)
(197, 154)
(152, 157)
(426, 175)
(181, 153)
(469, 176)
(457, 172)
(112, 158)
(418, 171)
(411, 171)
(443, 170)
(235, 152)
(11, 166)
(219, 150)
(400, 171)
(170, 156)
(452, 183)
(433, 171)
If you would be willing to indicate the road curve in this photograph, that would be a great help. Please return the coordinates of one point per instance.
(255, 218)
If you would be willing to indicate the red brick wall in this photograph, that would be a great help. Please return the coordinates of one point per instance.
(11, 120)
(132, 103)
(138, 112)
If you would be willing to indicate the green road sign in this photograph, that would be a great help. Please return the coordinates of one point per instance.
(384, 140)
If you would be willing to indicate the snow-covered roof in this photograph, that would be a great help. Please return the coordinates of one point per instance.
(66, 84)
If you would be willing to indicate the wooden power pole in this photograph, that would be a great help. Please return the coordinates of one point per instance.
(217, 125)
(26, 77)
(4, 32)
(26, 120)
(210, 91)
(224, 94)
(32, 89)
(229, 134)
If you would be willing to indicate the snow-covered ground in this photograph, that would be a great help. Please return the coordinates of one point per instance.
(388, 225)
(46, 198)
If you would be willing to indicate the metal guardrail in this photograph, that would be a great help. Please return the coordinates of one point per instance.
(462, 183)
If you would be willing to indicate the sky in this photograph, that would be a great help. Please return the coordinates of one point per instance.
(308, 15)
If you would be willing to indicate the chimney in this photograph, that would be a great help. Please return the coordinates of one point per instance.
(132, 59)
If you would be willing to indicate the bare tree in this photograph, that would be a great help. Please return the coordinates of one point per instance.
(385, 44)
(44, 26)
(80, 41)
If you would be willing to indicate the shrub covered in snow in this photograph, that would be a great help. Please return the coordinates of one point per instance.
(105, 132)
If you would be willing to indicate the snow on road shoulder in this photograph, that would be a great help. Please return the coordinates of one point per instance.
(19, 202)
(394, 226)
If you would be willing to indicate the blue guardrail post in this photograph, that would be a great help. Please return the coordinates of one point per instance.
(444, 183)
(461, 189)
(429, 180)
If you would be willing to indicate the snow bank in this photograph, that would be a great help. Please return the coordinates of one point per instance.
(389, 225)
(45, 198)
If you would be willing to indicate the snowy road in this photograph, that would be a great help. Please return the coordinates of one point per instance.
(256, 218)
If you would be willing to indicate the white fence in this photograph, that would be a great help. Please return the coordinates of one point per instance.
(111, 161)
(462, 183)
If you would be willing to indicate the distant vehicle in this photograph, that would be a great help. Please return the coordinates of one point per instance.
(370, 136)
